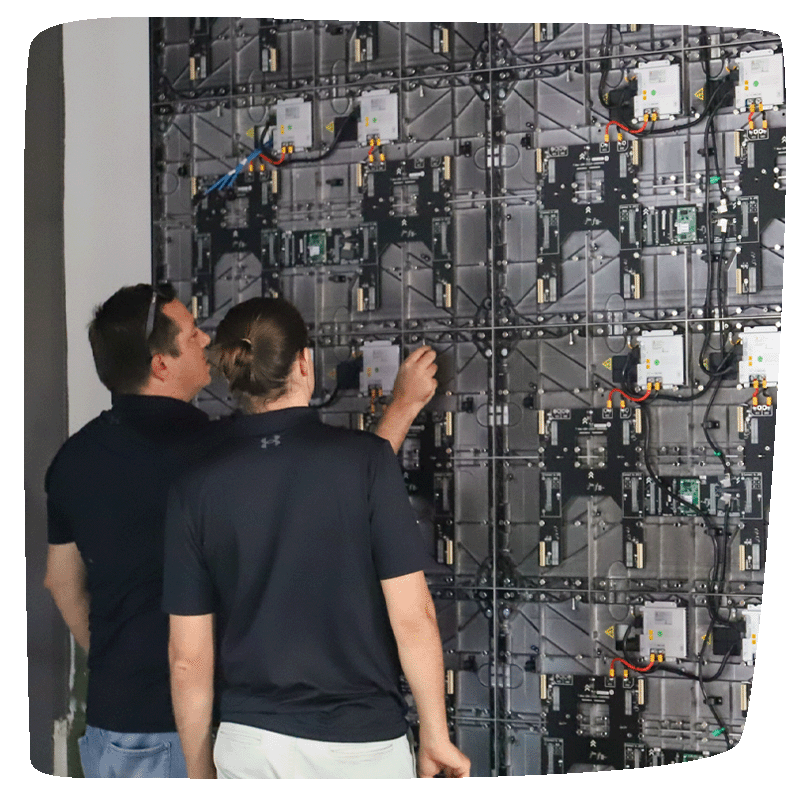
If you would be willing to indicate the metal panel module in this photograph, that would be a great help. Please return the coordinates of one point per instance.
(586, 222)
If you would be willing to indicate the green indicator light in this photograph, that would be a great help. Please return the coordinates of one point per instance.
(715, 179)
(374, 119)
(755, 83)
(661, 633)
(718, 453)
(718, 732)
(657, 362)
(652, 91)
(761, 358)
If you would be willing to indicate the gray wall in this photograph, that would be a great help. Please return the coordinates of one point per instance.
(87, 233)
(45, 379)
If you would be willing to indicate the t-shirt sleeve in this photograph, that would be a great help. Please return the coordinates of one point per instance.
(397, 546)
(188, 586)
(59, 529)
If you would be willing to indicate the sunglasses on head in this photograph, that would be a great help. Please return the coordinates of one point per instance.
(166, 292)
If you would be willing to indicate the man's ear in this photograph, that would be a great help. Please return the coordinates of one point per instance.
(158, 368)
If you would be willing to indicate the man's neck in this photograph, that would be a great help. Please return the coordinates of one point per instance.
(164, 391)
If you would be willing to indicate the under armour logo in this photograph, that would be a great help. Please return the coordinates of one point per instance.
(265, 443)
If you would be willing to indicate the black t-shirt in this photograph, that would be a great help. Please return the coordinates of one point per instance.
(285, 533)
(107, 492)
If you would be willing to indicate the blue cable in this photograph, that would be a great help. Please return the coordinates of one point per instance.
(229, 178)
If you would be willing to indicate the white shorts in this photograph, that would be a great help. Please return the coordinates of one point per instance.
(241, 751)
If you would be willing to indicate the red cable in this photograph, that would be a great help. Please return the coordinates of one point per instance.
(620, 125)
(283, 155)
(630, 666)
(634, 399)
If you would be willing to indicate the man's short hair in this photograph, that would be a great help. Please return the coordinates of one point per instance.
(122, 351)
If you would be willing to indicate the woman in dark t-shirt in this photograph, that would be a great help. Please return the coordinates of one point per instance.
(297, 540)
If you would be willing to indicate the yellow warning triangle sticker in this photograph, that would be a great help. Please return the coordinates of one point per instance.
(607, 363)
(610, 632)
(250, 134)
(700, 95)
(329, 127)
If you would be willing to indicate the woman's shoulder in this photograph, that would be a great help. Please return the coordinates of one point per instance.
(364, 441)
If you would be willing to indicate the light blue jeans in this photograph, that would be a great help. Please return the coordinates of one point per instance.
(106, 754)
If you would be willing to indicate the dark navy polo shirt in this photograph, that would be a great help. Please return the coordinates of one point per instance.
(285, 533)
(107, 492)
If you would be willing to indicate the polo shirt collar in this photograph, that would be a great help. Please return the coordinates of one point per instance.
(145, 407)
(273, 421)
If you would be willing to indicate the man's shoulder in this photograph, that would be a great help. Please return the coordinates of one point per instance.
(75, 447)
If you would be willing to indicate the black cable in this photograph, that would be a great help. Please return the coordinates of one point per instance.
(705, 59)
(348, 124)
(702, 681)
(711, 107)
(329, 401)
(605, 54)
(706, 430)
(712, 272)
(718, 373)
(655, 478)
(663, 667)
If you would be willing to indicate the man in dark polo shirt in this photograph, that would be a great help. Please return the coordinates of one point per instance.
(107, 491)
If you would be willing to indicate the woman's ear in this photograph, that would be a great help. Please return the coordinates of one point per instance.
(305, 362)
(307, 365)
